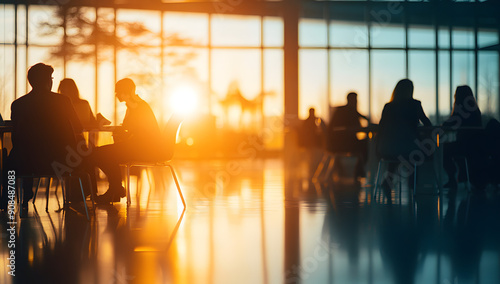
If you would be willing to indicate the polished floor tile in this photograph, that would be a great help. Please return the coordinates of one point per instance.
(259, 221)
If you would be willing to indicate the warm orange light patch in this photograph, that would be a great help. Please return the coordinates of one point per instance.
(184, 100)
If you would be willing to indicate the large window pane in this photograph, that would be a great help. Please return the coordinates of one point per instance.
(7, 23)
(487, 38)
(192, 27)
(232, 85)
(346, 34)
(138, 27)
(313, 67)
(83, 73)
(385, 35)
(22, 82)
(273, 32)
(7, 83)
(463, 38)
(349, 73)
(444, 37)
(487, 95)
(45, 35)
(186, 70)
(106, 85)
(422, 72)
(142, 66)
(387, 68)
(231, 30)
(421, 36)
(463, 69)
(312, 33)
(273, 97)
(445, 93)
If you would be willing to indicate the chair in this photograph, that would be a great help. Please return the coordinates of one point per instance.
(169, 138)
(393, 161)
(464, 158)
(61, 181)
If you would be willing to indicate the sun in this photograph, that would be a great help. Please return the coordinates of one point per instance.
(184, 100)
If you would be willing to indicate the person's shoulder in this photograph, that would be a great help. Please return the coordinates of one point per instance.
(23, 99)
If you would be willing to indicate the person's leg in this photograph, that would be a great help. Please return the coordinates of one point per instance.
(108, 159)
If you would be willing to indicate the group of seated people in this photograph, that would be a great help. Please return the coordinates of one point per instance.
(398, 136)
(47, 137)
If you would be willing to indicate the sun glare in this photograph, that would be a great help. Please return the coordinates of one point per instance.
(184, 100)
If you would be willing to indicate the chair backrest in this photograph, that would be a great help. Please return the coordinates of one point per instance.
(170, 134)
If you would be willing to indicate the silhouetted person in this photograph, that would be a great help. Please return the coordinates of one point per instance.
(465, 113)
(345, 140)
(138, 139)
(68, 88)
(398, 124)
(309, 135)
(45, 124)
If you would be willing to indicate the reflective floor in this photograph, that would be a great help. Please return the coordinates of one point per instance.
(260, 221)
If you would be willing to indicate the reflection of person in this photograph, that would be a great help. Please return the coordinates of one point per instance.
(345, 140)
(45, 124)
(465, 113)
(138, 139)
(398, 124)
(68, 88)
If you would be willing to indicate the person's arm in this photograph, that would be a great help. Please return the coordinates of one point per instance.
(422, 117)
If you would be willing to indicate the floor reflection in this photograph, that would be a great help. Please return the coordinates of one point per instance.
(260, 221)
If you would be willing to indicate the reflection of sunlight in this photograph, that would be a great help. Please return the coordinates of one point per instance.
(184, 100)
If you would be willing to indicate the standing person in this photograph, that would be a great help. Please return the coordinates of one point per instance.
(138, 139)
(45, 124)
(345, 140)
(465, 113)
(398, 124)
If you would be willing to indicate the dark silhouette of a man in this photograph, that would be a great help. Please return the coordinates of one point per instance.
(342, 137)
(139, 139)
(45, 125)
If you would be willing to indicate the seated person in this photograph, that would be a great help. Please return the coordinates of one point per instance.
(68, 88)
(343, 139)
(398, 126)
(139, 139)
(465, 113)
(309, 133)
(45, 124)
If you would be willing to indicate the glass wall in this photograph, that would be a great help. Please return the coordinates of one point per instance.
(229, 68)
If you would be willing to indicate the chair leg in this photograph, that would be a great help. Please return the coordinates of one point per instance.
(376, 180)
(467, 172)
(47, 191)
(415, 179)
(177, 184)
(84, 201)
(91, 191)
(63, 189)
(128, 184)
(320, 167)
(36, 191)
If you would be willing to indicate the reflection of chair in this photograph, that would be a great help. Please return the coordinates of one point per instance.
(169, 138)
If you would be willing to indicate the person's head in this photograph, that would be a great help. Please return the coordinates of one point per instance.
(40, 76)
(125, 89)
(464, 97)
(312, 112)
(403, 90)
(352, 99)
(68, 88)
